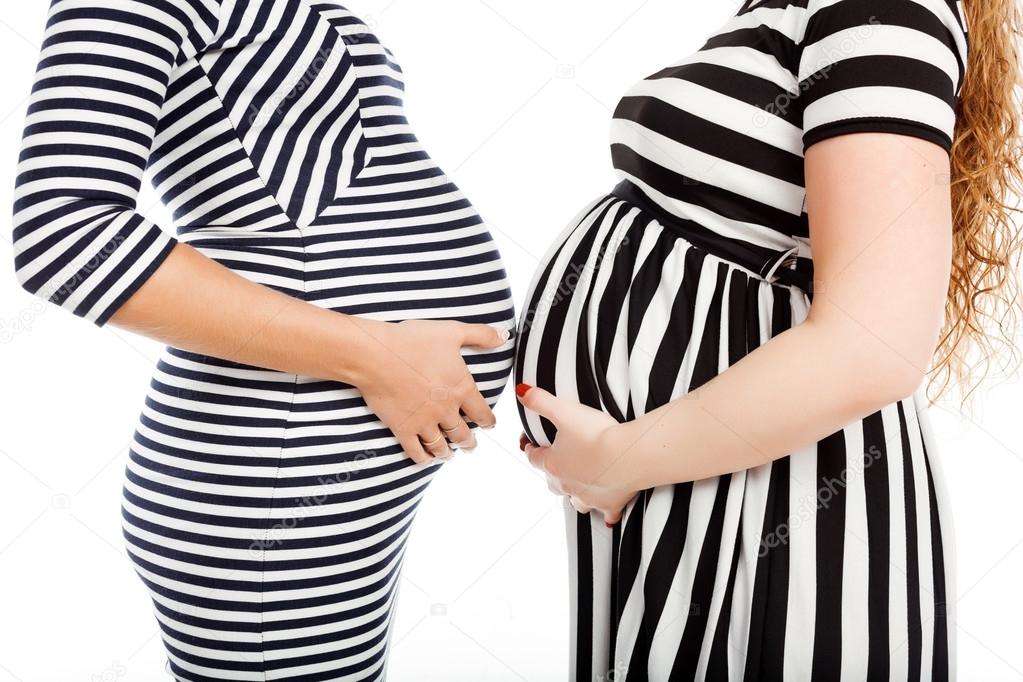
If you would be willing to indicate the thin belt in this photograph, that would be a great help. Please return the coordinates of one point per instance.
(784, 267)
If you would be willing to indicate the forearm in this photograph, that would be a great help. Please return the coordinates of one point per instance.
(194, 303)
(798, 388)
(869, 336)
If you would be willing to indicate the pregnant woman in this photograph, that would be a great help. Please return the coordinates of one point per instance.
(325, 279)
(722, 358)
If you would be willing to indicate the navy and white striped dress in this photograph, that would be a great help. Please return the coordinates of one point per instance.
(267, 513)
(834, 563)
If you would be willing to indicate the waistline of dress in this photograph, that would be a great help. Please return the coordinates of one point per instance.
(775, 266)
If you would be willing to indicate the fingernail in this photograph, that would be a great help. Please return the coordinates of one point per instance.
(523, 442)
(504, 334)
(522, 389)
(609, 525)
(487, 427)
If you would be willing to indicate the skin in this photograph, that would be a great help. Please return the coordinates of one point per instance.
(882, 271)
(411, 374)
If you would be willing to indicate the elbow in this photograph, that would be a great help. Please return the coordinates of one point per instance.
(27, 270)
(877, 360)
(56, 246)
(907, 357)
(23, 272)
(25, 281)
(900, 384)
(879, 381)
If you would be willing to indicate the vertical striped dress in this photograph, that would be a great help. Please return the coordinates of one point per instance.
(836, 562)
(266, 513)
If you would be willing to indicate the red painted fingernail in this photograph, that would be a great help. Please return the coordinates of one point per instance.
(522, 389)
(609, 525)
(523, 442)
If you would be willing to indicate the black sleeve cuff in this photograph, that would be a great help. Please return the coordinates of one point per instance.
(896, 126)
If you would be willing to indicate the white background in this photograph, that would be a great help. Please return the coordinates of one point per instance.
(514, 100)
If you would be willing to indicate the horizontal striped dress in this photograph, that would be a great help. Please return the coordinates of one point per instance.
(266, 513)
(834, 563)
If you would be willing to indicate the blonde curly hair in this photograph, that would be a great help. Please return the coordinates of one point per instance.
(984, 305)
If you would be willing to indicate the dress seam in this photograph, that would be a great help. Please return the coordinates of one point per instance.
(266, 531)
(365, 159)
(277, 472)
(363, 142)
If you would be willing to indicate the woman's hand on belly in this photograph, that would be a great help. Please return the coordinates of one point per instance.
(584, 463)
(413, 377)
(411, 373)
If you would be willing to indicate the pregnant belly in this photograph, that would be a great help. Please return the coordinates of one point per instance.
(390, 275)
(627, 314)
(218, 407)
(201, 411)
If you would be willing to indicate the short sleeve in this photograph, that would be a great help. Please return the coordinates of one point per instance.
(893, 66)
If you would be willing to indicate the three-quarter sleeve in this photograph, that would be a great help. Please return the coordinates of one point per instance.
(100, 85)
(893, 66)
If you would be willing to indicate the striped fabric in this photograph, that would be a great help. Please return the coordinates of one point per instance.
(835, 563)
(267, 513)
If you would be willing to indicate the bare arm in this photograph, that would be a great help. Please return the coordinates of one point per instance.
(882, 269)
(192, 302)
(880, 222)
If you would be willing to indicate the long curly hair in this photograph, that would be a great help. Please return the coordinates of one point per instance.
(984, 304)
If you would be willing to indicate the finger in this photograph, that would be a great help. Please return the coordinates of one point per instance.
(483, 336)
(478, 411)
(414, 449)
(542, 402)
(544, 459)
(579, 506)
(436, 444)
(553, 487)
(570, 488)
(537, 456)
(457, 432)
(611, 517)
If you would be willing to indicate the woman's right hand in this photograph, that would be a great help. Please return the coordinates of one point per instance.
(413, 377)
(411, 373)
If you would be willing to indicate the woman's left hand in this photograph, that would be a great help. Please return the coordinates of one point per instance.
(588, 461)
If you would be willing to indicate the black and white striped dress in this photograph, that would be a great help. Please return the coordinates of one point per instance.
(834, 563)
(267, 513)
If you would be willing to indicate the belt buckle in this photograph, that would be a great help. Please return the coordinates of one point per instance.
(786, 260)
